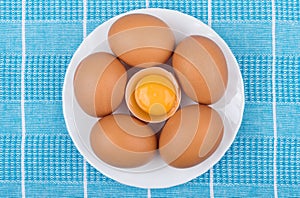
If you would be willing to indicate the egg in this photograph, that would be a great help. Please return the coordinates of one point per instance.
(152, 94)
(201, 68)
(155, 95)
(141, 40)
(123, 141)
(99, 84)
(190, 136)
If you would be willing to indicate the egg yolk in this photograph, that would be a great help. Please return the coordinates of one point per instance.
(155, 95)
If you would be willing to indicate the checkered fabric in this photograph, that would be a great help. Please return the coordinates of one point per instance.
(37, 41)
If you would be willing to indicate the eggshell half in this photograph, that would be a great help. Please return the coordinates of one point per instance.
(123, 141)
(99, 84)
(132, 104)
(201, 68)
(190, 136)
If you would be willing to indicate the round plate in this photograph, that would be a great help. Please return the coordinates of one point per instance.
(155, 174)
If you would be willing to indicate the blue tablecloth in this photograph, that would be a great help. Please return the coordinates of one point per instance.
(37, 156)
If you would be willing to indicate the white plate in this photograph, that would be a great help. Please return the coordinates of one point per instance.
(155, 174)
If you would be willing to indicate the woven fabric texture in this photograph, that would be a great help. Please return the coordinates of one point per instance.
(264, 36)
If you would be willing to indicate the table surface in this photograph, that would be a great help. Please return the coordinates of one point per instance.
(37, 41)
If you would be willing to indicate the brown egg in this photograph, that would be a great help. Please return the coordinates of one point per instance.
(141, 40)
(99, 84)
(123, 141)
(201, 68)
(190, 136)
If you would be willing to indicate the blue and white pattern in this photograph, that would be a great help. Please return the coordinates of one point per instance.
(37, 156)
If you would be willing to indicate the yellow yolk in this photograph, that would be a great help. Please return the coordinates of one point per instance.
(155, 95)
